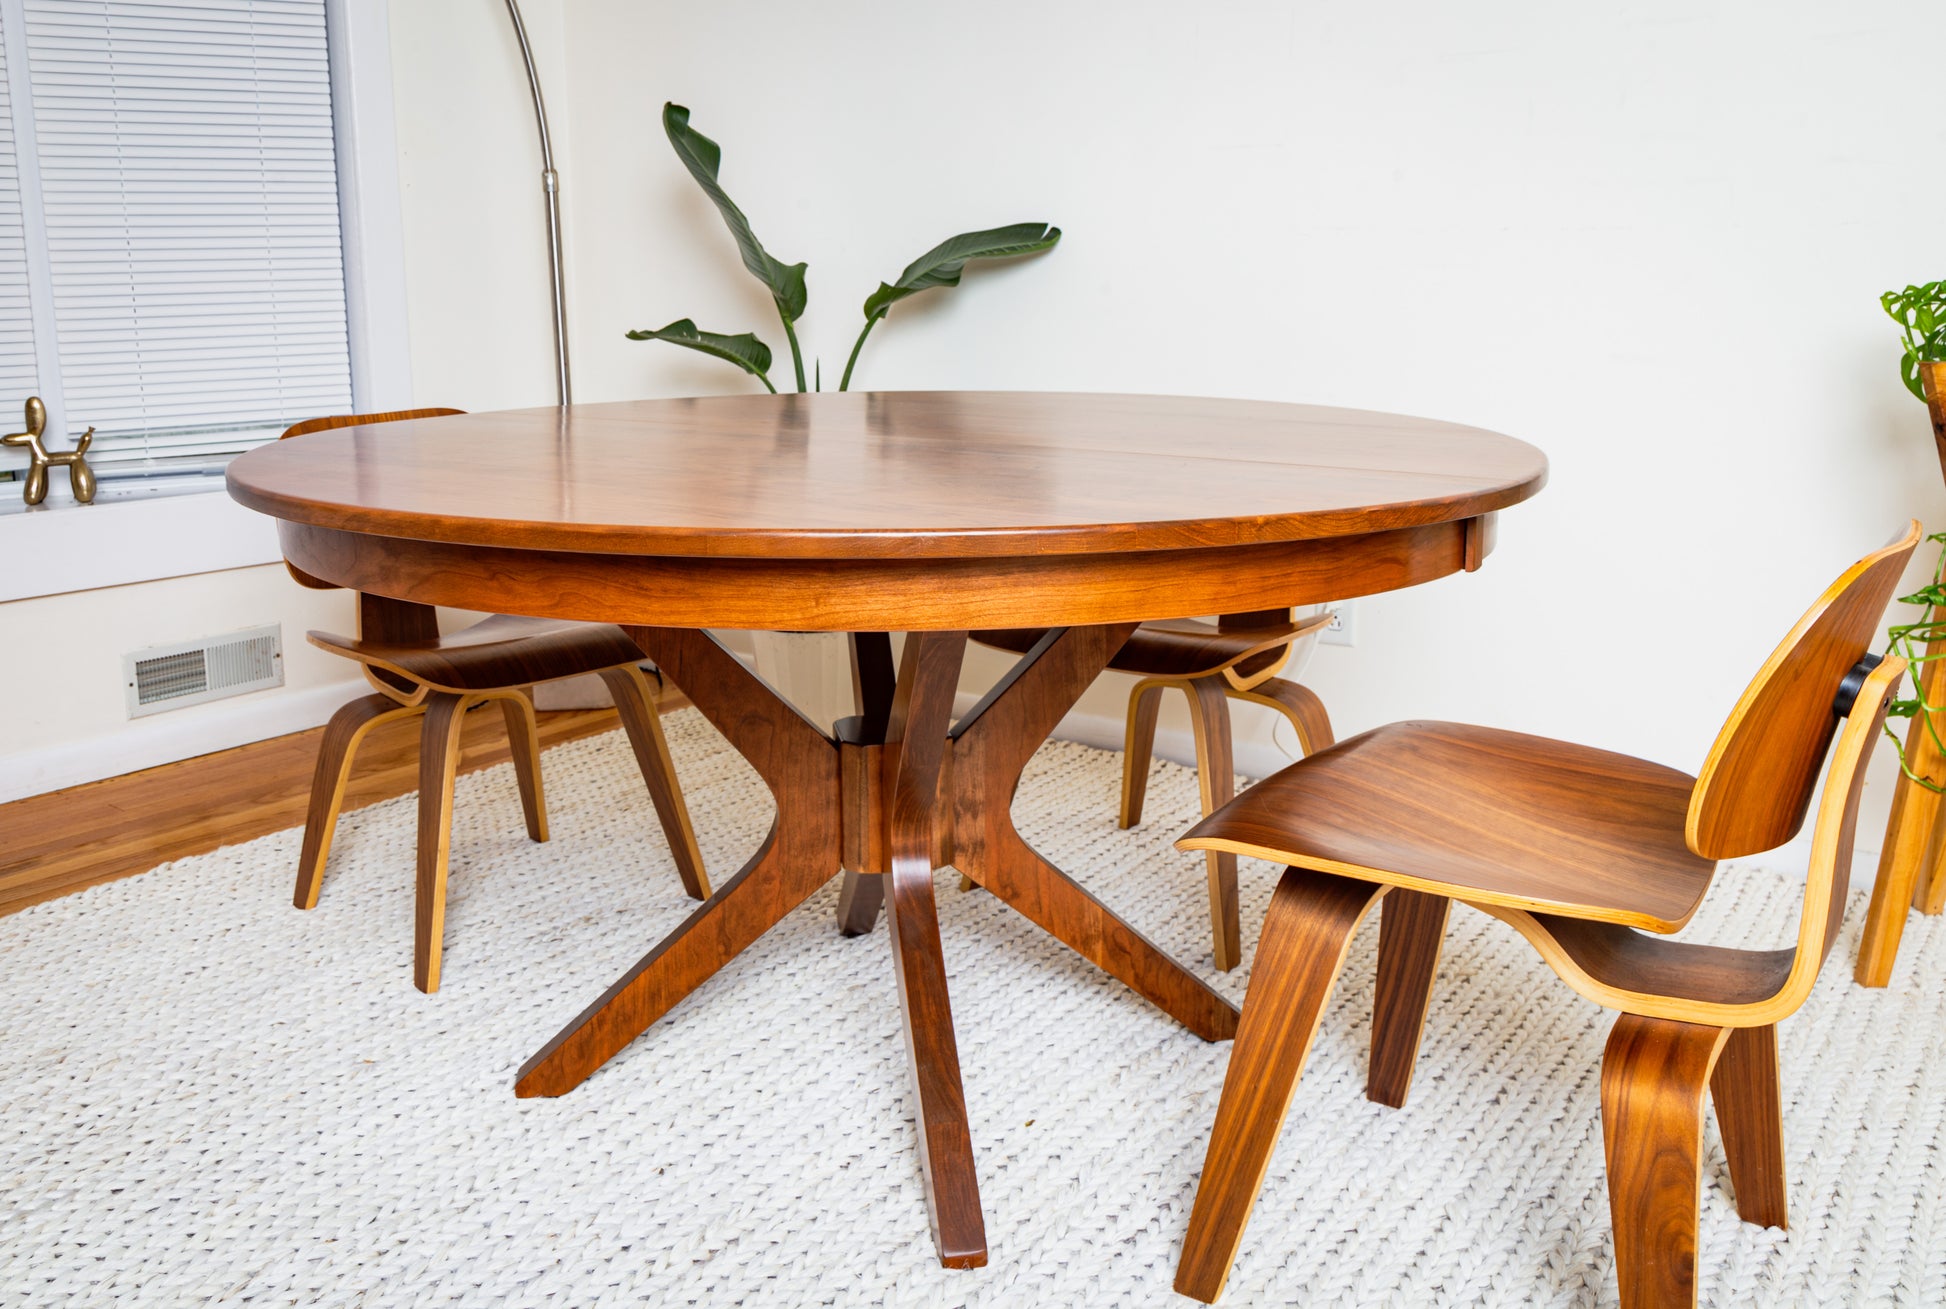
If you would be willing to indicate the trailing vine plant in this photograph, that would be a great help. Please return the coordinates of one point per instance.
(1919, 644)
(940, 266)
(1920, 312)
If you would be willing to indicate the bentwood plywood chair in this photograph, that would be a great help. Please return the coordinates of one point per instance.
(1236, 658)
(417, 671)
(1592, 857)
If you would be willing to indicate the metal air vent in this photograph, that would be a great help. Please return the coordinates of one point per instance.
(195, 672)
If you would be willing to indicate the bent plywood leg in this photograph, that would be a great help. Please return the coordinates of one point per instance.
(342, 736)
(1910, 850)
(1209, 715)
(438, 761)
(1138, 748)
(1306, 934)
(1929, 897)
(1750, 1112)
(1929, 886)
(635, 702)
(800, 765)
(1299, 704)
(1654, 1074)
(1411, 928)
(992, 744)
(920, 718)
(873, 680)
(524, 742)
(1898, 886)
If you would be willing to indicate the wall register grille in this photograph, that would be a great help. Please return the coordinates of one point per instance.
(196, 672)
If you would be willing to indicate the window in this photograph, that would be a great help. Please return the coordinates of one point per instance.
(171, 269)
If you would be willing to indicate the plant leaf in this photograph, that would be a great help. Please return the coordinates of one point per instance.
(743, 350)
(943, 264)
(702, 157)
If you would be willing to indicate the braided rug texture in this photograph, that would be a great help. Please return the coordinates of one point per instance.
(208, 1096)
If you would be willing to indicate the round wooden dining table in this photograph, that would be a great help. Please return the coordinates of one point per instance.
(926, 513)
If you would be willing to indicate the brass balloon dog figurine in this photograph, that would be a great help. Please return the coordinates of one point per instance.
(81, 478)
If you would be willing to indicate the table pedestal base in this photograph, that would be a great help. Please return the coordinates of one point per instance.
(891, 798)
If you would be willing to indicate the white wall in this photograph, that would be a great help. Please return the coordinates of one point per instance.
(1647, 238)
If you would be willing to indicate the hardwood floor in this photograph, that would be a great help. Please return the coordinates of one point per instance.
(64, 841)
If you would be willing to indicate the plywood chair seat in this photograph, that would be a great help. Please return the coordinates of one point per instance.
(1235, 658)
(1181, 647)
(496, 652)
(1483, 815)
(1576, 848)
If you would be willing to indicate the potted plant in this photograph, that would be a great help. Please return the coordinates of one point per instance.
(1920, 312)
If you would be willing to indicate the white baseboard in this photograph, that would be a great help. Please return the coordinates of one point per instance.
(167, 738)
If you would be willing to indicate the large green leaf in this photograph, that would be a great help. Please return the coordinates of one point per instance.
(702, 157)
(943, 264)
(743, 350)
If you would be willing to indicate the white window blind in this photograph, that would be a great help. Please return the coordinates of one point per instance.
(189, 192)
(18, 376)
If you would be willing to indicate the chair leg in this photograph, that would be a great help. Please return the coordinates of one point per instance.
(1306, 934)
(438, 760)
(861, 896)
(1209, 714)
(342, 736)
(1299, 704)
(1899, 886)
(1750, 1112)
(1653, 1078)
(1411, 928)
(1930, 896)
(1138, 748)
(1906, 864)
(1919, 834)
(636, 704)
(524, 743)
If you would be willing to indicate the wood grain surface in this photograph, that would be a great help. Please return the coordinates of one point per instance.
(887, 475)
(893, 594)
(1487, 816)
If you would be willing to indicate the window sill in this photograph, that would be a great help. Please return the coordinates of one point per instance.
(69, 547)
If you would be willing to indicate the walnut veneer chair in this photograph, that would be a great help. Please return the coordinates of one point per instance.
(1590, 856)
(417, 671)
(1235, 658)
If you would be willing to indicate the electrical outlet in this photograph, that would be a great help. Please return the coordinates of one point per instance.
(1339, 630)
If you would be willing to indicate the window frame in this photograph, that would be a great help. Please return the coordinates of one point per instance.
(82, 547)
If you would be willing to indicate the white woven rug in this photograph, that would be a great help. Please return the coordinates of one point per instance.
(206, 1095)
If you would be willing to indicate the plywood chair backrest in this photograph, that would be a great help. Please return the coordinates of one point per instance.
(1829, 876)
(1755, 786)
(348, 420)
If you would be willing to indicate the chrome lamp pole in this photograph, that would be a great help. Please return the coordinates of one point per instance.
(551, 183)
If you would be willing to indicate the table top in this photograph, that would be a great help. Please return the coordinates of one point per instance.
(890, 475)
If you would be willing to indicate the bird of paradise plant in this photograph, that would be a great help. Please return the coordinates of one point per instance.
(940, 266)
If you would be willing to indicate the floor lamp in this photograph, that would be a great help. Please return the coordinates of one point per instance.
(551, 185)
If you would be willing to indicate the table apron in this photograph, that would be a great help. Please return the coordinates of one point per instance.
(906, 595)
